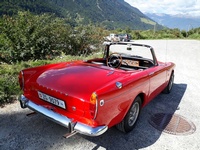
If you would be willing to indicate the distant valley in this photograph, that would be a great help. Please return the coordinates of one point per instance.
(176, 21)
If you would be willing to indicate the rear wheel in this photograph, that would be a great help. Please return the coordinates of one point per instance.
(128, 123)
(168, 88)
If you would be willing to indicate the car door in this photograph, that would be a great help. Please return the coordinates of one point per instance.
(157, 79)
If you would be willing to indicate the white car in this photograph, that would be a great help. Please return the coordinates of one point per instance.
(112, 38)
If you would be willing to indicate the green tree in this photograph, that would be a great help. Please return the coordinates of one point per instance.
(184, 33)
(29, 36)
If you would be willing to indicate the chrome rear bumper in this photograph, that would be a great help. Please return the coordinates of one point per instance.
(62, 120)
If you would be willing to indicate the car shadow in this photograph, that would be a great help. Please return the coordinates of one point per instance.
(143, 135)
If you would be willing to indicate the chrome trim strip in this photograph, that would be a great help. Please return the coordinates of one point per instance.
(95, 115)
(62, 120)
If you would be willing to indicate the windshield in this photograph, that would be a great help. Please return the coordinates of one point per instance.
(132, 51)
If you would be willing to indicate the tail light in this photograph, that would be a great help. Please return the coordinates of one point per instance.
(21, 80)
(93, 105)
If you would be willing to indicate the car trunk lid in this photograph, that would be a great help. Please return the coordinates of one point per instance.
(75, 83)
(77, 80)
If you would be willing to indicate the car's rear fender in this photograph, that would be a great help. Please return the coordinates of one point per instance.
(113, 106)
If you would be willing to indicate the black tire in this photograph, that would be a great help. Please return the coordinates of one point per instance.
(129, 122)
(169, 86)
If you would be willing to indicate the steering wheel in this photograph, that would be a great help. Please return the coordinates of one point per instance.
(114, 60)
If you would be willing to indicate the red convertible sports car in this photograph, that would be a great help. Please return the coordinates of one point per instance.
(91, 96)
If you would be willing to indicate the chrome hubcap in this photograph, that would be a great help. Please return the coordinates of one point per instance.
(134, 112)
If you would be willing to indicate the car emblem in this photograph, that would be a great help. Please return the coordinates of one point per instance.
(119, 85)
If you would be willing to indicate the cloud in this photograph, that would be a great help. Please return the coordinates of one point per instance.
(173, 7)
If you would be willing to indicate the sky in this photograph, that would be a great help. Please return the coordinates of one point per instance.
(172, 7)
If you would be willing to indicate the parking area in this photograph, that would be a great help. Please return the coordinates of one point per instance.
(18, 131)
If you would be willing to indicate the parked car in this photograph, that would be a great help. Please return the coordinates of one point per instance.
(91, 96)
(125, 37)
(112, 38)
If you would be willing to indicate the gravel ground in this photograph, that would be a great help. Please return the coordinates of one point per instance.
(20, 132)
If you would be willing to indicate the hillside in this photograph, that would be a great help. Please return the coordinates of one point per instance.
(176, 21)
(111, 14)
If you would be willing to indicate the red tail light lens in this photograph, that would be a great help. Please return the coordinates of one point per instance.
(21, 80)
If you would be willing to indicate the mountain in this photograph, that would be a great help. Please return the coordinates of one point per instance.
(111, 14)
(182, 22)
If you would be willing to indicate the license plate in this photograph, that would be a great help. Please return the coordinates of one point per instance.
(51, 100)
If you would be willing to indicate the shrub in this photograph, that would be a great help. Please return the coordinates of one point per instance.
(8, 83)
(31, 37)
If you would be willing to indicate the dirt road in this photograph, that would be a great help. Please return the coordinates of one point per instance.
(21, 132)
